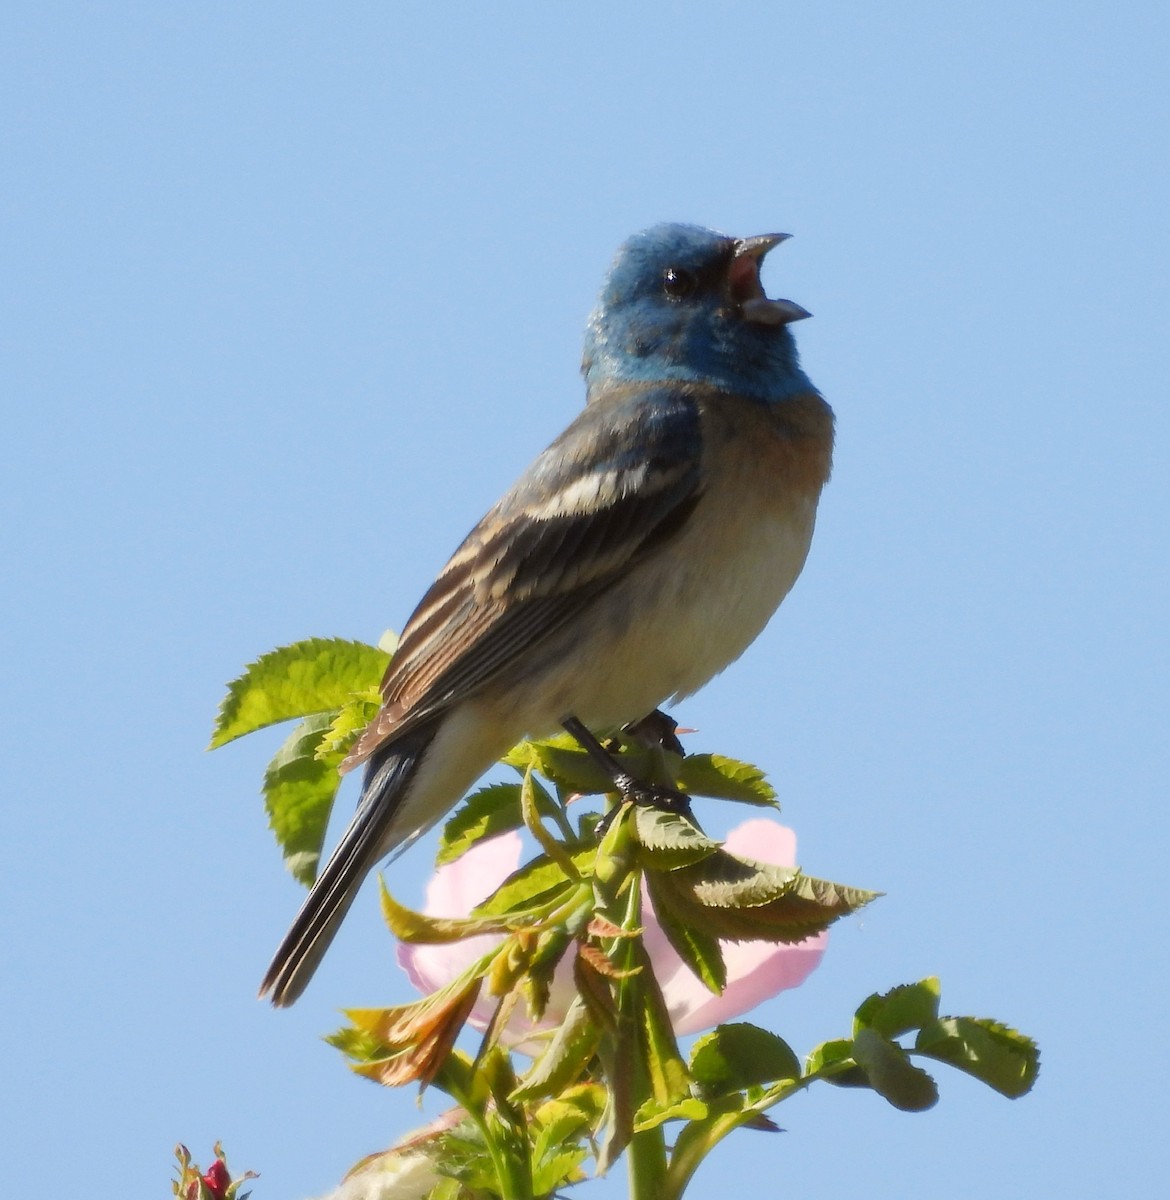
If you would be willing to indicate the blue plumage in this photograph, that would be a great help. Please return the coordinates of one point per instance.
(641, 332)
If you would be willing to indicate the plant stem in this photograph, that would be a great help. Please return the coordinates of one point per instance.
(646, 1157)
(513, 1172)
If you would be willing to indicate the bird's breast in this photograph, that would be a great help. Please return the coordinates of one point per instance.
(685, 613)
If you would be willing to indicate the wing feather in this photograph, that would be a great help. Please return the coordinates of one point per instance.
(615, 486)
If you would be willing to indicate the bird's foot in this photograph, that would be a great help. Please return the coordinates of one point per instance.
(647, 795)
(653, 795)
(637, 791)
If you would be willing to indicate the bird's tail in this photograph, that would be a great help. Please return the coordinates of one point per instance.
(369, 837)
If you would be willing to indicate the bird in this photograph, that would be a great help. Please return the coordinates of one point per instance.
(635, 558)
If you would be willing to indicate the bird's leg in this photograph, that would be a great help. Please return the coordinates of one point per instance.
(654, 795)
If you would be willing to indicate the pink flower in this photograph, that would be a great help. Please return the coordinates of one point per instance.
(755, 970)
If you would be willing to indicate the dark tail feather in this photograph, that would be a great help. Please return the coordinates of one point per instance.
(366, 840)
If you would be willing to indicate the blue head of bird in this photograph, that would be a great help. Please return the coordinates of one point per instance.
(684, 304)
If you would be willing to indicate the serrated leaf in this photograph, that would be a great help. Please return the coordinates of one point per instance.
(299, 790)
(893, 1013)
(565, 1058)
(741, 1055)
(601, 962)
(822, 895)
(667, 1074)
(491, 810)
(535, 884)
(699, 950)
(418, 928)
(668, 840)
(738, 900)
(349, 721)
(726, 779)
(574, 1110)
(891, 1073)
(999, 1056)
(722, 880)
(556, 1169)
(594, 991)
(313, 676)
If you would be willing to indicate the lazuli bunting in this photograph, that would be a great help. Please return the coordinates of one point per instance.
(635, 558)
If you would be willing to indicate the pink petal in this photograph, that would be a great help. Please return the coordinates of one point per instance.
(453, 891)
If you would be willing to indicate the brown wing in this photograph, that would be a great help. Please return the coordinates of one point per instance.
(617, 484)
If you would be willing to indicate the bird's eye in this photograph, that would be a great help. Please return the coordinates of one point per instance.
(677, 283)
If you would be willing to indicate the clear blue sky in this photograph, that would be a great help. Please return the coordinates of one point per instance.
(291, 292)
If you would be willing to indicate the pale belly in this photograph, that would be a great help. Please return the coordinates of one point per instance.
(677, 621)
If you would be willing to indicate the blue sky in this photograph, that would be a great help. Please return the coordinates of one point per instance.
(291, 292)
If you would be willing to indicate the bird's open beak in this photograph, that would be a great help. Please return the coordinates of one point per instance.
(743, 283)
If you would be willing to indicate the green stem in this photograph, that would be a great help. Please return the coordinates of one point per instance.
(513, 1172)
(646, 1153)
(684, 1164)
(646, 1158)
(690, 1151)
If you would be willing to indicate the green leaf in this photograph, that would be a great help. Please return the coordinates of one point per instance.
(350, 720)
(533, 798)
(569, 767)
(726, 779)
(490, 811)
(738, 1056)
(572, 1112)
(735, 899)
(699, 950)
(651, 1114)
(557, 1168)
(821, 895)
(562, 1126)
(891, 1073)
(418, 928)
(313, 676)
(999, 1056)
(565, 1058)
(828, 1055)
(551, 945)
(536, 884)
(561, 760)
(299, 790)
(668, 840)
(893, 1013)
(724, 881)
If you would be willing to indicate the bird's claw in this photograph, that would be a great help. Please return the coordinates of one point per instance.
(653, 795)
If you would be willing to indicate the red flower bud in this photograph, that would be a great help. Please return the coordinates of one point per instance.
(217, 1179)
